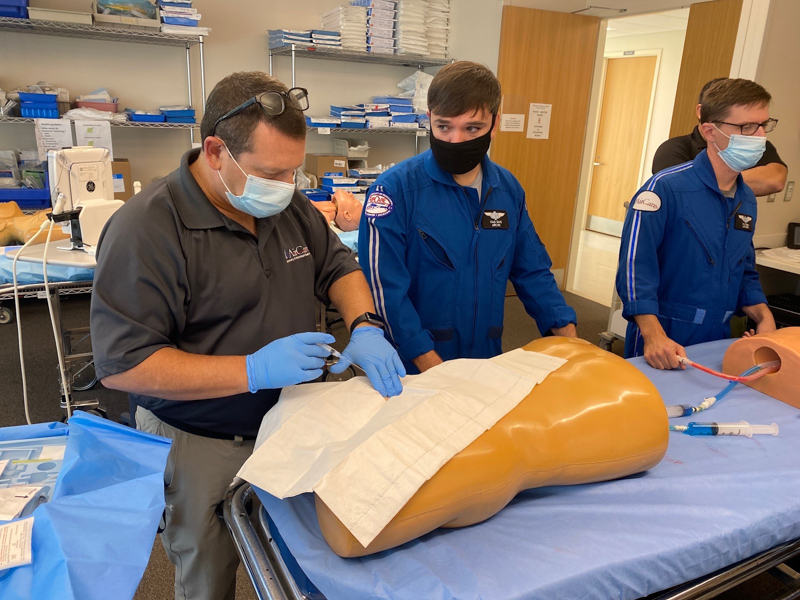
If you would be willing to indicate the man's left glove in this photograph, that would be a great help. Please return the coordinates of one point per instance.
(372, 352)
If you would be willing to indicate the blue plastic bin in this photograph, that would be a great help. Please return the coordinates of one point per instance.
(35, 111)
(27, 199)
(17, 9)
(188, 112)
(181, 120)
(37, 98)
(145, 118)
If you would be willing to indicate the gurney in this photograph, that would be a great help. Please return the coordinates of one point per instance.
(713, 513)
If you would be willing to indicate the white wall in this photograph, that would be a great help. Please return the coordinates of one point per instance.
(779, 73)
(671, 45)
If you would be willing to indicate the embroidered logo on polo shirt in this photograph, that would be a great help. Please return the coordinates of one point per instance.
(296, 253)
(743, 222)
(378, 205)
(647, 201)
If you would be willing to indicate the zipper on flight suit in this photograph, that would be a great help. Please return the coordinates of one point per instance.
(702, 245)
(477, 231)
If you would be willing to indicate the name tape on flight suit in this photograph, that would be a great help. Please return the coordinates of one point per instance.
(647, 201)
(378, 205)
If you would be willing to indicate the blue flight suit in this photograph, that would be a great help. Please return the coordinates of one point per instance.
(438, 259)
(687, 255)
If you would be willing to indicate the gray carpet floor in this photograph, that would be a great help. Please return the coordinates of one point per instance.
(43, 390)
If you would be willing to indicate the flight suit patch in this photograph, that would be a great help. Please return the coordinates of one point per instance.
(647, 201)
(743, 222)
(494, 219)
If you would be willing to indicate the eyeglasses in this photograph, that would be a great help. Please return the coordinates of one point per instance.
(751, 128)
(272, 103)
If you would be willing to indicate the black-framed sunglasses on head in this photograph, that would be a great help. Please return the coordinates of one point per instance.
(272, 103)
(752, 128)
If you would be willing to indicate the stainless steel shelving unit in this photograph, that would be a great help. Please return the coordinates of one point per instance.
(418, 61)
(125, 124)
(113, 34)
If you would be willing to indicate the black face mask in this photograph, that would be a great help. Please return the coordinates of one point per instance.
(461, 157)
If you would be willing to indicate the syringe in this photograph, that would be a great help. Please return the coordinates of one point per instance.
(335, 353)
(741, 428)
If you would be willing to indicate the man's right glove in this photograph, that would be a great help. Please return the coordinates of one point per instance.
(287, 361)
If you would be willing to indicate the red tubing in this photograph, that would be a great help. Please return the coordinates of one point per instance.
(767, 368)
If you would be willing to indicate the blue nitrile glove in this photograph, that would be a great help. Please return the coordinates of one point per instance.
(287, 361)
(369, 350)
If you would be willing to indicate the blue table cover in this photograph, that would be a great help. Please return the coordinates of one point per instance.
(31, 272)
(93, 540)
(711, 502)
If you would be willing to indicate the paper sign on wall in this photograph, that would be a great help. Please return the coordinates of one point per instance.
(512, 122)
(94, 133)
(52, 134)
(539, 121)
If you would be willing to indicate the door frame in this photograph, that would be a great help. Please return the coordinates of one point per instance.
(611, 227)
(590, 145)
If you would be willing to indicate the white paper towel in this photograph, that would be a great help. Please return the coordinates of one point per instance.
(366, 457)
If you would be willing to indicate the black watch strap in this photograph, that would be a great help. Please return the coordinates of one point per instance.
(367, 317)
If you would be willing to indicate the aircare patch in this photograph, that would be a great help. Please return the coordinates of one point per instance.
(648, 201)
(378, 205)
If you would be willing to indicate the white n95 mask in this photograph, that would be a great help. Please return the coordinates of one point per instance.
(261, 197)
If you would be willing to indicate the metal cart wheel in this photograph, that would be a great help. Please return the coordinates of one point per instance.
(6, 316)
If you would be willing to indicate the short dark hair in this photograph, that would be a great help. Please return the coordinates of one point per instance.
(724, 95)
(708, 85)
(462, 87)
(237, 131)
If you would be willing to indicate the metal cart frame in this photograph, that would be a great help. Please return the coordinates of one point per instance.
(79, 365)
(242, 513)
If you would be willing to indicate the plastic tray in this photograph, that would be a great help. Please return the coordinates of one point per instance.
(38, 98)
(181, 120)
(106, 106)
(17, 9)
(34, 111)
(145, 118)
(180, 21)
(189, 112)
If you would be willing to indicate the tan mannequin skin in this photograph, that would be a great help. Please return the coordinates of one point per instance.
(595, 418)
(17, 227)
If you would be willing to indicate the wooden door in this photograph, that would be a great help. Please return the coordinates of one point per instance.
(547, 58)
(707, 54)
(624, 116)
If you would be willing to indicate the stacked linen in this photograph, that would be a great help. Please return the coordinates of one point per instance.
(351, 23)
(411, 27)
(326, 39)
(351, 117)
(437, 21)
(287, 37)
(178, 16)
(380, 25)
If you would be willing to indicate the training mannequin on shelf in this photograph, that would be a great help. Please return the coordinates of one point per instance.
(17, 227)
(596, 418)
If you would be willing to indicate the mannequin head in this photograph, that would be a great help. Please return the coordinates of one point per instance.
(348, 210)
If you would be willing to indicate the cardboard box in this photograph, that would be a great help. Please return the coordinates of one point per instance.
(123, 184)
(320, 164)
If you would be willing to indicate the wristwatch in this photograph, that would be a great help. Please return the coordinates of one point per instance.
(367, 317)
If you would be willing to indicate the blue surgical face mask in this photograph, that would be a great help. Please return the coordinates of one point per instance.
(743, 151)
(261, 197)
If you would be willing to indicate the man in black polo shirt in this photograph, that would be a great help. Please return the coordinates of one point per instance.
(204, 307)
(767, 177)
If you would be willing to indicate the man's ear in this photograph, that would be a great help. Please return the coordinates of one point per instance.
(213, 148)
(707, 131)
(697, 110)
